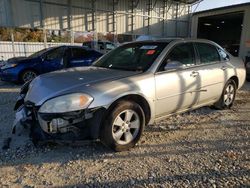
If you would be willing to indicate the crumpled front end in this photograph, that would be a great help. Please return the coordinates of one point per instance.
(68, 126)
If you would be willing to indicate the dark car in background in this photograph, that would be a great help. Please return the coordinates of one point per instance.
(101, 46)
(23, 69)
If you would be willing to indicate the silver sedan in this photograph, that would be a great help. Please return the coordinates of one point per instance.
(134, 85)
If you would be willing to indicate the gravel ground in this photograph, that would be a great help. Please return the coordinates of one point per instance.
(203, 148)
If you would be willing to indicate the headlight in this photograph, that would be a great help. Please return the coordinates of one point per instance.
(66, 103)
(6, 66)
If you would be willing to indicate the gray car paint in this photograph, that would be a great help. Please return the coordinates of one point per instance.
(107, 85)
(70, 80)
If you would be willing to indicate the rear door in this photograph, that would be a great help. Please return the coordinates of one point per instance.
(212, 71)
(176, 86)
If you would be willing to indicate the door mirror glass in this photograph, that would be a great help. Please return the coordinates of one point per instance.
(171, 65)
(43, 58)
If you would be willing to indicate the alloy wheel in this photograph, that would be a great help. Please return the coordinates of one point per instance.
(229, 94)
(29, 75)
(125, 127)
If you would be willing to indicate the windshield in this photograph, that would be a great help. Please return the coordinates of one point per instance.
(132, 56)
(37, 54)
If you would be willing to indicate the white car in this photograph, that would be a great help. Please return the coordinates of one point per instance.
(134, 85)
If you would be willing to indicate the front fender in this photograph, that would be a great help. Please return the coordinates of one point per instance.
(106, 94)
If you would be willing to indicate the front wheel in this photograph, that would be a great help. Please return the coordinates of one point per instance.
(228, 95)
(123, 127)
(28, 75)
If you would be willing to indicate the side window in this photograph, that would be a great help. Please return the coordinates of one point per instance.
(55, 54)
(100, 45)
(224, 56)
(179, 57)
(208, 53)
(78, 53)
(67, 53)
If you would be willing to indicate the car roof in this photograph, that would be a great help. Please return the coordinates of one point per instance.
(169, 40)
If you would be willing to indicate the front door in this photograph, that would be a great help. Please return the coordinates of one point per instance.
(177, 80)
(53, 60)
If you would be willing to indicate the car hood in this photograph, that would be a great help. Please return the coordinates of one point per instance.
(70, 80)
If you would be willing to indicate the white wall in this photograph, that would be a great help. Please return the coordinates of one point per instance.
(9, 49)
(59, 15)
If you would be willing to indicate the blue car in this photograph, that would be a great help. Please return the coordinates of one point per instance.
(23, 69)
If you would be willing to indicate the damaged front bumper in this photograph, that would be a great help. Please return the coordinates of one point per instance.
(69, 126)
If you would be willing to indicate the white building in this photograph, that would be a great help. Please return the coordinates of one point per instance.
(168, 18)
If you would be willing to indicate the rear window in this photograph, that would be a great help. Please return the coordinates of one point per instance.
(208, 53)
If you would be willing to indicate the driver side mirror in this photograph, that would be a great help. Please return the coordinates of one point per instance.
(172, 65)
(43, 58)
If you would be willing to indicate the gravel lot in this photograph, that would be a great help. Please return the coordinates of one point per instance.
(203, 148)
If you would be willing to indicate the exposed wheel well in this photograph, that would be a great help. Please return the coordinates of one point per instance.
(139, 100)
(236, 80)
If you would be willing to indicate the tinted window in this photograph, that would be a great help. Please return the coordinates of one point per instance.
(55, 53)
(79, 53)
(182, 55)
(224, 56)
(100, 45)
(208, 53)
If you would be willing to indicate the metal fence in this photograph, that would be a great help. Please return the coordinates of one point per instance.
(15, 49)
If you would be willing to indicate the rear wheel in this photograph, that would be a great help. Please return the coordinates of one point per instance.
(228, 95)
(28, 75)
(123, 127)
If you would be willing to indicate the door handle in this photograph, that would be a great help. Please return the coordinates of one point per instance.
(224, 68)
(194, 74)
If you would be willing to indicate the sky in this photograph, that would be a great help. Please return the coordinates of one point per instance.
(210, 4)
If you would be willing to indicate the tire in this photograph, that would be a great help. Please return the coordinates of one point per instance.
(28, 75)
(228, 95)
(121, 135)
